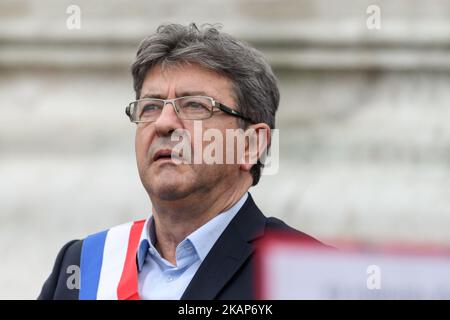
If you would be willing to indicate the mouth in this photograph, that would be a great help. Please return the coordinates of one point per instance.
(165, 155)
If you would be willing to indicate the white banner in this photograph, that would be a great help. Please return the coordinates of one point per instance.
(289, 268)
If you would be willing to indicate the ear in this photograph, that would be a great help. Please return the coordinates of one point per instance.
(257, 139)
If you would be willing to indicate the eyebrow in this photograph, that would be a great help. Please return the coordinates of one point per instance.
(178, 94)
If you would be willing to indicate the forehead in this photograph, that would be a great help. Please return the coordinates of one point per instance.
(177, 79)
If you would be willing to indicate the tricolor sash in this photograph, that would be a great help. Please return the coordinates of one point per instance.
(108, 269)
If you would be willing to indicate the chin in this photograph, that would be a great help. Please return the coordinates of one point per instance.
(170, 192)
(169, 187)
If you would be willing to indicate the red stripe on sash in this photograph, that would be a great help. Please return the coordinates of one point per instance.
(128, 285)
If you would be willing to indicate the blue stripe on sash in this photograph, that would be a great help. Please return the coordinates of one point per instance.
(91, 264)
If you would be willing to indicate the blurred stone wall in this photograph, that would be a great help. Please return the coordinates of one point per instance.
(364, 120)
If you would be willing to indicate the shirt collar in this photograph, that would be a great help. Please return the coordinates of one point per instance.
(202, 239)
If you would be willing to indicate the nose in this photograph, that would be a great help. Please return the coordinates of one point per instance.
(167, 121)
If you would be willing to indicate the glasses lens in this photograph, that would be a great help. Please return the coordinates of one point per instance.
(194, 108)
(148, 110)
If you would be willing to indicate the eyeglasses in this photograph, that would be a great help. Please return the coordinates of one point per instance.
(186, 108)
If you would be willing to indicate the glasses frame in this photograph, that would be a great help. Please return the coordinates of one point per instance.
(215, 104)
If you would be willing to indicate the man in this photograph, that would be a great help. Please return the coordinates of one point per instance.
(199, 242)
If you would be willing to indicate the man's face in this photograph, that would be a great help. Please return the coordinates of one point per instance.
(162, 178)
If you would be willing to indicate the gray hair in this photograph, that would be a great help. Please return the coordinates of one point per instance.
(254, 84)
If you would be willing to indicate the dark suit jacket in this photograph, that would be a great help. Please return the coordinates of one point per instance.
(226, 273)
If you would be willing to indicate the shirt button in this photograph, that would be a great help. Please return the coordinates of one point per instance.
(169, 279)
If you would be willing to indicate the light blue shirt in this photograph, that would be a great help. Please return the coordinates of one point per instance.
(160, 279)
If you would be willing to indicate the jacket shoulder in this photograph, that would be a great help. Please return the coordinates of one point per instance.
(277, 225)
(56, 286)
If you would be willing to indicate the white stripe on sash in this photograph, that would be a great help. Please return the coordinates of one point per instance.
(114, 254)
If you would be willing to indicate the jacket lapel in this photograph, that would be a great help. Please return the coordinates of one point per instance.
(228, 254)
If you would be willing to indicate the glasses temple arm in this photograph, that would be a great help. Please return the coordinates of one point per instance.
(231, 112)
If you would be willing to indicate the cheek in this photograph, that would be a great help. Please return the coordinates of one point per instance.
(144, 136)
(207, 142)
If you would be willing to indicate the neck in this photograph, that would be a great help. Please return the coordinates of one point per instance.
(175, 220)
